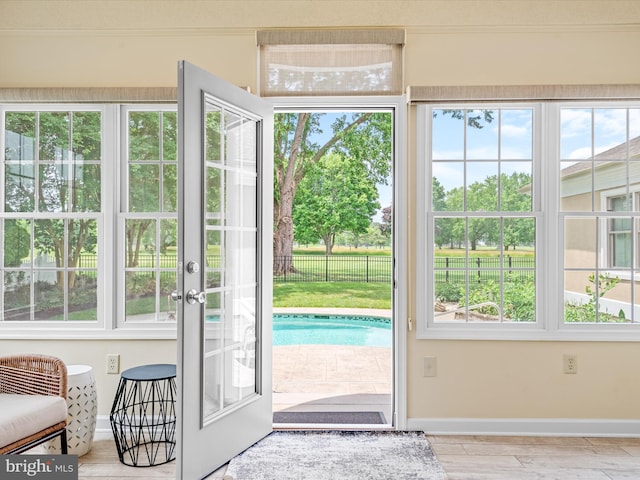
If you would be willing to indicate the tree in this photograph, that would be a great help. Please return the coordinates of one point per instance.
(152, 137)
(517, 231)
(16, 242)
(386, 226)
(483, 196)
(474, 117)
(67, 180)
(450, 230)
(376, 237)
(362, 137)
(337, 195)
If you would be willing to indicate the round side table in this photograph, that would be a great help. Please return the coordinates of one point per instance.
(82, 408)
(143, 415)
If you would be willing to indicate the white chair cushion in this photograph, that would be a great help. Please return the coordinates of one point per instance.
(24, 415)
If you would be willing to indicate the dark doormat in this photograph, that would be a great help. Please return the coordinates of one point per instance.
(353, 418)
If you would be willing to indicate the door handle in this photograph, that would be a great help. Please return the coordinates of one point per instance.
(194, 296)
(175, 296)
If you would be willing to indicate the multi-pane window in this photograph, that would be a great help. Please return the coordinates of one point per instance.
(532, 217)
(149, 215)
(64, 201)
(599, 181)
(481, 232)
(51, 214)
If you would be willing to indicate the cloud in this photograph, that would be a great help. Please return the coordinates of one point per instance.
(516, 131)
(585, 152)
(607, 122)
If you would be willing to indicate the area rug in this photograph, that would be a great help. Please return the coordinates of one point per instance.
(353, 418)
(333, 455)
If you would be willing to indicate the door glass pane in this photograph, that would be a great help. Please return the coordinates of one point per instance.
(212, 402)
(230, 240)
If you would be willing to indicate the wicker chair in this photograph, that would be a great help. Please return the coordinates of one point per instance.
(37, 417)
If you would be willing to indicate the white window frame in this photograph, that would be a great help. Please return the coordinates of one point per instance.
(110, 321)
(427, 327)
(549, 323)
(104, 308)
(122, 213)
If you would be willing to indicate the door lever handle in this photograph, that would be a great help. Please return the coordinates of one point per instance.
(194, 296)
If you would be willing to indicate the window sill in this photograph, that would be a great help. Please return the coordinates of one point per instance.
(566, 333)
(8, 333)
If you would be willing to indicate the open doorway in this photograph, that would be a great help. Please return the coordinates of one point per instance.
(333, 341)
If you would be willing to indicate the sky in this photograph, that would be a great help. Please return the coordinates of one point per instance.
(584, 133)
(509, 137)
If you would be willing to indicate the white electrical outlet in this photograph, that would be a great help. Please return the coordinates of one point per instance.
(430, 366)
(570, 363)
(113, 363)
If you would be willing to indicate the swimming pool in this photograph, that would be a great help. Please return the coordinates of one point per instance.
(314, 329)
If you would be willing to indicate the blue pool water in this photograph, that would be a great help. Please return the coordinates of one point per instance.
(301, 329)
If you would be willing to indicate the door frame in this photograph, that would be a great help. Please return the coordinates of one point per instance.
(400, 242)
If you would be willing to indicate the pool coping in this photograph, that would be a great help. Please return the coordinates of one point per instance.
(369, 312)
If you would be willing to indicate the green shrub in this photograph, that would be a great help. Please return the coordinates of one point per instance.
(590, 312)
(449, 292)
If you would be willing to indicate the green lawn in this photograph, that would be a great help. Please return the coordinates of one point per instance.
(336, 295)
(338, 250)
(484, 252)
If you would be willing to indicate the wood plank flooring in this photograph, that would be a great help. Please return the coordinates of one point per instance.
(463, 458)
(529, 458)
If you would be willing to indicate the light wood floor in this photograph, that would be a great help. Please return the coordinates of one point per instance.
(528, 458)
(463, 458)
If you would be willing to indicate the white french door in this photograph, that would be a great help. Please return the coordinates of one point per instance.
(224, 271)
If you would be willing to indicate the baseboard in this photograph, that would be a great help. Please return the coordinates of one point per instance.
(103, 424)
(549, 427)
(557, 427)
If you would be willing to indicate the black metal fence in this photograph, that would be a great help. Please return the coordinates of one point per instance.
(335, 268)
(362, 268)
(482, 269)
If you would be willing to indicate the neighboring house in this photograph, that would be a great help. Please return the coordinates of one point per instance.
(606, 244)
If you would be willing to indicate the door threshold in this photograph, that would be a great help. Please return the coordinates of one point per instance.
(334, 426)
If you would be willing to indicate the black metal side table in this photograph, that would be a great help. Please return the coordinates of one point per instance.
(143, 415)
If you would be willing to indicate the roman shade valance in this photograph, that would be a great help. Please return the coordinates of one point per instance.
(331, 62)
(514, 93)
(89, 95)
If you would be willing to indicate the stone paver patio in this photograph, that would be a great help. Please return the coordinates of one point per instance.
(333, 377)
